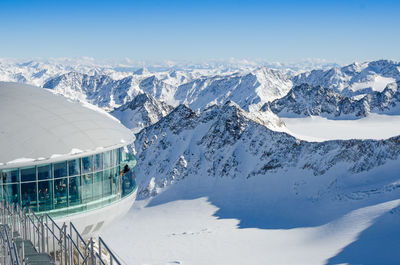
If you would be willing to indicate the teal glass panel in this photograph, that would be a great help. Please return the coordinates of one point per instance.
(114, 157)
(44, 172)
(87, 164)
(29, 195)
(107, 159)
(98, 162)
(98, 185)
(60, 169)
(115, 180)
(87, 187)
(122, 155)
(107, 182)
(45, 195)
(128, 181)
(74, 167)
(28, 174)
(60, 192)
(74, 190)
(10, 175)
(11, 193)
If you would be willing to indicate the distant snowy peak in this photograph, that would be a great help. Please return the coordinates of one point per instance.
(247, 90)
(306, 100)
(356, 78)
(141, 71)
(100, 90)
(144, 110)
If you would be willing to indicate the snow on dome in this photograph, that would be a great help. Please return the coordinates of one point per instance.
(37, 124)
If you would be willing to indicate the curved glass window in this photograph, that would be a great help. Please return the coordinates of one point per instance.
(74, 167)
(61, 192)
(29, 195)
(44, 172)
(28, 174)
(87, 163)
(107, 159)
(71, 186)
(10, 175)
(74, 191)
(98, 162)
(11, 193)
(60, 169)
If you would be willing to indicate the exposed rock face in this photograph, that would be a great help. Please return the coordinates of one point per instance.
(354, 79)
(144, 110)
(225, 141)
(305, 100)
(255, 88)
(247, 89)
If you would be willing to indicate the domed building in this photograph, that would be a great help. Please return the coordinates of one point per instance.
(68, 159)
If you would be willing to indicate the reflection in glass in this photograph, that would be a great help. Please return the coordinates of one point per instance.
(74, 190)
(107, 182)
(60, 192)
(9, 175)
(73, 167)
(114, 157)
(115, 180)
(87, 187)
(60, 169)
(107, 159)
(45, 195)
(128, 180)
(28, 192)
(98, 185)
(97, 162)
(28, 174)
(11, 193)
(87, 163)
(44, 172)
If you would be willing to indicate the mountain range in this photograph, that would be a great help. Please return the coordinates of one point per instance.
(227, 123)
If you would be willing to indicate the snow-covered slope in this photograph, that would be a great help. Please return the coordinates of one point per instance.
(250, 90)
(247, 90)
(144, 110)
(98, 89)
(305, 100)
(243, 193)
(356, 78)
(227, 142)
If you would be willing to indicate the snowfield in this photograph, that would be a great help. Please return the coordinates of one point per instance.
(318, 129)
(227, 223)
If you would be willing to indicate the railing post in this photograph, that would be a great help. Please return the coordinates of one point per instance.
(42, 232)
(23, 251)
(60, 244)
(65, 244)
(92, 257)
(54, 244)
(100, 250)
(47, 234)
(71, 249)
(38, 236)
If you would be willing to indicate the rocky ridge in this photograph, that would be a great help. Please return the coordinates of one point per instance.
(227, 142)
(306, 100)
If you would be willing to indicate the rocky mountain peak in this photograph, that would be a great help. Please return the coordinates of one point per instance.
(144, 110)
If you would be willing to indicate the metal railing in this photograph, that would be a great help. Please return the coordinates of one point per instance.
(62, 247)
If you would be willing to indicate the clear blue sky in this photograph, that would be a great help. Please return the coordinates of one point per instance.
(340, 31)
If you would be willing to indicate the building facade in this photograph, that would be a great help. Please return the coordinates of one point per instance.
(64, 158)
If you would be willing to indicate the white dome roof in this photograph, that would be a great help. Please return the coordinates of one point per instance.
(39, 126)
